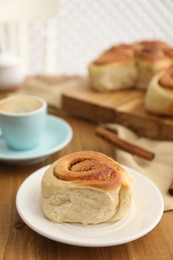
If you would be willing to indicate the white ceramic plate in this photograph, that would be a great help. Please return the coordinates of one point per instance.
(57, 135)
(146, 212)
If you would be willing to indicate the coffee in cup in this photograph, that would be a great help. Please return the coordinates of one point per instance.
(19, 105)
(22, 120)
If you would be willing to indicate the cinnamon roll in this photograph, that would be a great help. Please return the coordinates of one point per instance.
(159, 97)
(86, 187)
(150, 58)
(114, 69)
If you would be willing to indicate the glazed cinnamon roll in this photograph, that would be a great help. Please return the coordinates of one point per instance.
(115, 69)
(86, 187)
(150, 58)
(159, 97)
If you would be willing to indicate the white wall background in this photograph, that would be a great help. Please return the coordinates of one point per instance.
(84, 28)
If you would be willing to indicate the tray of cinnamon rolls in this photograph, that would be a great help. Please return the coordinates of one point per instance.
(144, 65)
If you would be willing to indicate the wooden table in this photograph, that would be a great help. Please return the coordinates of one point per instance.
(18, 241)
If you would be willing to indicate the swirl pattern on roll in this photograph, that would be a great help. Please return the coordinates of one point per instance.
(159, 97)
(89, 169)
(166, 80)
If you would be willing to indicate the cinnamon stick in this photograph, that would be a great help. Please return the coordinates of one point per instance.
(171, 188)
(123, 144)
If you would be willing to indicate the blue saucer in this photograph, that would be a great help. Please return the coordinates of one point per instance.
(58, 133)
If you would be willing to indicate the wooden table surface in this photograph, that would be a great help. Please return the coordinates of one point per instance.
(18, 241)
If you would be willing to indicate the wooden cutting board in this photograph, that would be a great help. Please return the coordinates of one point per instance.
(125, 107)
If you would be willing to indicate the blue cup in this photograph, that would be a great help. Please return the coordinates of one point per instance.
(22, 121)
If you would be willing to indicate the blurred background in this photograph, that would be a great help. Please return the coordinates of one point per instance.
(77, 31)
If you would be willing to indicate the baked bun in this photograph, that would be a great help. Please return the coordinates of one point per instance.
(150, 58)
(86, 187)
(114, 69)
(159, 97)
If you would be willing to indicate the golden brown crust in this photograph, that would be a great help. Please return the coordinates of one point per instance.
(158, 44)
(170, 109)
(122, 53)
(89, 168)
(125, 48)
(150, 53)
(151, 50)
(113, 57)
(169, 52)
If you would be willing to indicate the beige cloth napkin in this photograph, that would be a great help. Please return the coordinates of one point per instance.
(159, 170)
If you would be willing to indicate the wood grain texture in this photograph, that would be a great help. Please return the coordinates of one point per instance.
(18, 241)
